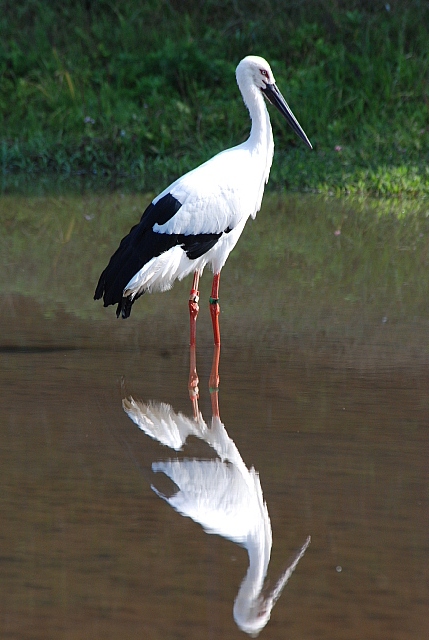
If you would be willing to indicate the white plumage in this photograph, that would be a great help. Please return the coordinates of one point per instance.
(198, 219)
(223, 496)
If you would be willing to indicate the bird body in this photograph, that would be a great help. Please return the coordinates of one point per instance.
(198, 219)
(216, 199)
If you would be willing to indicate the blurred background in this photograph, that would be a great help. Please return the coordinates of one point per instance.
(143, 90)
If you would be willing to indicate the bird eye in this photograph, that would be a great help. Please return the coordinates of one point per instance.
(264, 73)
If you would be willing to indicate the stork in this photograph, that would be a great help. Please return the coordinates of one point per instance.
(198, 219)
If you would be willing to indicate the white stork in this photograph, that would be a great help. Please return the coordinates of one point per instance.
(197, 220)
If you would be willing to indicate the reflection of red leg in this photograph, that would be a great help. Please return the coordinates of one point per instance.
(193, 314)
(193, 380)
(214, 381)
(215, 309)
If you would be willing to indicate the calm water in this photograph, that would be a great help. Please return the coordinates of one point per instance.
(324, 392)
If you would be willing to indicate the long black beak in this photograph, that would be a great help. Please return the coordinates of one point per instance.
(275, 97)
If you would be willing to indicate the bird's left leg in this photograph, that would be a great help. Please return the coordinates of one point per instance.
(193, 314)
(214, 312)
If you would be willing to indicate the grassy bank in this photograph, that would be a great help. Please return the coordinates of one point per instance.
(142, 91)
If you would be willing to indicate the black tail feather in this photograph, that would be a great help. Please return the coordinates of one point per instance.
(125, 305)
(100, 287)
(122, 267)
(135, 250)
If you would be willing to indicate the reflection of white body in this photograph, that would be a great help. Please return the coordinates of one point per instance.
(222, 495)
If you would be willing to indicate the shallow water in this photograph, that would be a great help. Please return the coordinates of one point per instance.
(324, 391)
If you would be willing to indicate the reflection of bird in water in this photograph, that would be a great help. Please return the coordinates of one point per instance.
(222, 495)
(198, 219)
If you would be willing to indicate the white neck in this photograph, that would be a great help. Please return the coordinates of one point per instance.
(260, 140)
(248, 603)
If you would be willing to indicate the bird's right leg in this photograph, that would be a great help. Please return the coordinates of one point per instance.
(215, 309)
(194, 296)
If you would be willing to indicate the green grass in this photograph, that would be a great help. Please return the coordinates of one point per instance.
(139, 92)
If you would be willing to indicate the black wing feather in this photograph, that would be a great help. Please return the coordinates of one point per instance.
(141, 245)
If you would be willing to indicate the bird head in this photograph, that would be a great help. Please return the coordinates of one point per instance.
(255, 71)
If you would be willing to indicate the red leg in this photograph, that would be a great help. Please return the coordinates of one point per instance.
(193, 314)
(215, 309)
(214, 381)
(214, 374)
(194, 297)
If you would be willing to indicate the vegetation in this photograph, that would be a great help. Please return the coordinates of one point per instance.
(141, 91)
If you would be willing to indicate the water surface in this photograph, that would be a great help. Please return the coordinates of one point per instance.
(324, 391)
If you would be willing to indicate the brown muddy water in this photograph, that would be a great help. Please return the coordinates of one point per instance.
(324, 392)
